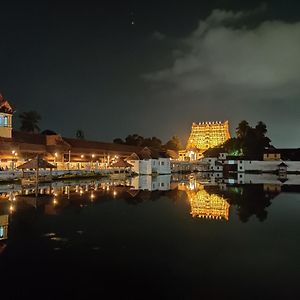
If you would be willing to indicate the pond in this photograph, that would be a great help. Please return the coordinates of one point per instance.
(151, 238)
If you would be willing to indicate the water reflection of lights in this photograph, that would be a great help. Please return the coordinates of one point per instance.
(205, 205)
(11, 208)
(115, 193)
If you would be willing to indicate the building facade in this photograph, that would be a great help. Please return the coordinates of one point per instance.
(17, 147)
(6, 112)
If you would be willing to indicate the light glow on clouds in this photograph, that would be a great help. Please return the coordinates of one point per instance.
(218, 55)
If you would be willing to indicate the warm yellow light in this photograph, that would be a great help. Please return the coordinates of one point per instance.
(11, 208)
(54, 201)
(55, 154)
(115, 193)
(82, 156)
(93, 155)
(13, 151)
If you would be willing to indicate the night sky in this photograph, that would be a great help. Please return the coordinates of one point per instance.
(112, 68)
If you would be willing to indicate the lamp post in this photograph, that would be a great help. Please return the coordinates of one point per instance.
(93, 155)
(69, 152)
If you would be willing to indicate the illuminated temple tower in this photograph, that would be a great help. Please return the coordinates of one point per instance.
(206, 135)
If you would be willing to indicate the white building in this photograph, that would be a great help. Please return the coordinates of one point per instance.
(147, 162)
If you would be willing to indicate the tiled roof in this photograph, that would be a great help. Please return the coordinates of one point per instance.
(5, 106)
(100, 146)
(28, 138)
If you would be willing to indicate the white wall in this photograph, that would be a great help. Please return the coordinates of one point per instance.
(143, 167)
(151, 183)
(164, 166)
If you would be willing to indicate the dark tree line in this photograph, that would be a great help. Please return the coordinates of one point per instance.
(153, 142)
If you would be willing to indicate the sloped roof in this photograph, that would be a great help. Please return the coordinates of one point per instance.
(121, 163)
(84, 144)
(133, 156)
(282, 164)
(286, 153)
(5, 107)
(28, 138)
(37, 163)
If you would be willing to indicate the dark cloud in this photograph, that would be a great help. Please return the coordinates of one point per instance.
(245, 68)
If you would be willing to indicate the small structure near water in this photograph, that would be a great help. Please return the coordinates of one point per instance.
(35, 164)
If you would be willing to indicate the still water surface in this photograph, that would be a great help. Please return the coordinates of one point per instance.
(185, 238)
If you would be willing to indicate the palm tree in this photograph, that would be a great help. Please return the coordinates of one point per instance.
(242, 129)
(80, 134)
(29, 121)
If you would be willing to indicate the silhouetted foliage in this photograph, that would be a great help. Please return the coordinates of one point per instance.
(250, 141)
(173, 144)
(80, 134)
(151, 142)
(249, 200)
(29, 121)
(48, 132)
(118, 141)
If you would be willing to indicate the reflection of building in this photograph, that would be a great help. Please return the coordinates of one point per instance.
(151, 183)
(205, 205)
(4, 227)
(206, 135)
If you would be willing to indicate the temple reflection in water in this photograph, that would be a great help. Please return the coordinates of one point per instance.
(205, 205)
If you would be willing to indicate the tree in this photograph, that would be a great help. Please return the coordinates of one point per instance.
(134, 140)
(118, 141)
(80, 134)
(261, 128)
(250, 141)
(48, 132)
(29, 121)
(242, 129)
(174, 143)
(153, 142)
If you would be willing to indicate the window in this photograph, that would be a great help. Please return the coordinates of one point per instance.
(5, 121)
(241, 175)
(162, 163)
(241, 168)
